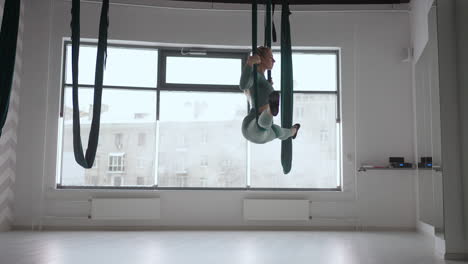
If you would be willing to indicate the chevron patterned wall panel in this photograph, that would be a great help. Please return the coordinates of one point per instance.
(9, 136)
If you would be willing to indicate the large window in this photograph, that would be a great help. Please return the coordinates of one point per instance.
(173, 120)
(128, 117)
(316, 151)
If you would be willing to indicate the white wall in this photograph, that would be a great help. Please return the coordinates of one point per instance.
(419, 30)
(423, 19)
(8, 139)
(462, 78)
(453, 57)
(377, 120)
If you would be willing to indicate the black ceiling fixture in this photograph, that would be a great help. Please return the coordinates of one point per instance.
(309, 2)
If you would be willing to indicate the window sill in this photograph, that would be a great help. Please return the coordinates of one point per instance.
(157, 188)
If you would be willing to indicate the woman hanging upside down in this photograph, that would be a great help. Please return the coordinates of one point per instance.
(268, 101)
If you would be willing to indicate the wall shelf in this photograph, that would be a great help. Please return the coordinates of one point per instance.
(365, 169)
(437, 168)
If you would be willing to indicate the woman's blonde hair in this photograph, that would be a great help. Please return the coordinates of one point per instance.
(262, 51)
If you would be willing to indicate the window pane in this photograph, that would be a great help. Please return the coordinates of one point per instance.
(312, 72)
(124, 66)
(119, 148)
(315, 155)
(196, 70)
(201, 143)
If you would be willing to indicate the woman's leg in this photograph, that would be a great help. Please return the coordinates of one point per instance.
(282, 133)
(265, 120)
(264, 131)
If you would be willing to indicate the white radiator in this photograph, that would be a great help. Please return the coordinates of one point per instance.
(125, 208)
(280, 210)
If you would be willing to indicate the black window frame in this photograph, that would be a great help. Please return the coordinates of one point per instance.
(228, 54)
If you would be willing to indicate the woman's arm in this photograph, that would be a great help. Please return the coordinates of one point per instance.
(246, 80)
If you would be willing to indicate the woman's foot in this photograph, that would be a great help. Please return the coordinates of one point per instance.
(273, 100)
(296, 126)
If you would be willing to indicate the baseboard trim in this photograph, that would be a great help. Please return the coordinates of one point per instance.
(425, 229)
(188, 228)
(218, 228)
(5, 226)
(456, 256)
(388, 228)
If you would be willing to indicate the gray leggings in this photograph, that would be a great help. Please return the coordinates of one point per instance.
(265, 131)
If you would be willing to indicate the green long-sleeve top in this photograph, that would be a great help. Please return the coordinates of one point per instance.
(264, 88)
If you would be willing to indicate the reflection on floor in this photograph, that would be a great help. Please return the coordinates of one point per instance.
(220, 247)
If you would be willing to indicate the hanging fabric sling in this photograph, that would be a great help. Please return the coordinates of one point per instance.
(286, 87)
(273, 33)
(8, 39)
(254, 51)
(268, 30)
(286, 73)
(88, 160)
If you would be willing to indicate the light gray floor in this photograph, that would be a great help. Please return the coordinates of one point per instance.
(220, 247)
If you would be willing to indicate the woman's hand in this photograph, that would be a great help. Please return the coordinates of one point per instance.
(247, 93)
(255, 59)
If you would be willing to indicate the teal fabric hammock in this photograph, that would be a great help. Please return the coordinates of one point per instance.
(254, 51)
(286, 87)
(86, 161)
(286, 73)
(8, 41)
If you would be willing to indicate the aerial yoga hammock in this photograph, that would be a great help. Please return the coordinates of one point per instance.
(258, 126)
(8, 39)
(86, 161)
